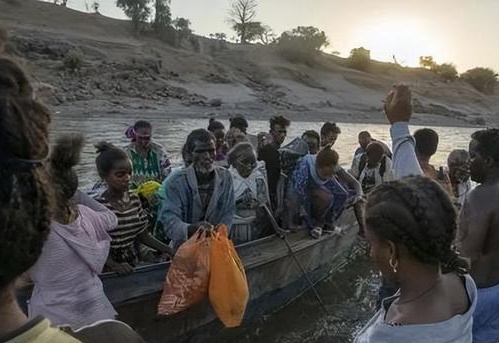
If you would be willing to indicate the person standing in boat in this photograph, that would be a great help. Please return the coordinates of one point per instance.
(25, 199)
(218, 130)
(375, 167)
(67, 289)
(329, 134)
(478, 238)
(239, 122)
(115, 169)
(426, 146)
(313, 140)
(269, 153)
(200, 194)
(149, 159)
(459, 175)
(250, 192)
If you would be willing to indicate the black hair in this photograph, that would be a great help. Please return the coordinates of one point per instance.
(418, 213)
(326, 157)
(25, 198)
(311, 133)
(426, 142)
(328, 128)
(488, 143)
(109, 156)
(375, 147)
(201, 135)
(215, 125)
(64, 156)
(364, 134)
(140, 124)
(239, 122)
(279, 120)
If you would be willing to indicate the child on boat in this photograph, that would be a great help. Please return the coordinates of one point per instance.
(67, 289)
(115, 168)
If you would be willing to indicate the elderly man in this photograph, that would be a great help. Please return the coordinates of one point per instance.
(199, 194)
(478, 237)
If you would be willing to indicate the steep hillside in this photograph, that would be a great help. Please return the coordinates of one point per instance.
(122, 72)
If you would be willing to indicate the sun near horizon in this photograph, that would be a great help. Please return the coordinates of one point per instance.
(396, 40)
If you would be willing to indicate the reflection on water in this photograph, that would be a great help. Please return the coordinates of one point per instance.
(173, 132)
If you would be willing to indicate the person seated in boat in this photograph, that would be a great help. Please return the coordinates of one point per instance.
(199, 194)
(67, 289)
(312, 138)
(410, 227)
(426, 146)
(149, 159)
(218, 130)
(478, 238)
(250, 192)
(374, 167)
(25, 200)
(459, 175)
(329, 134)
(269, 153)
(115, 169)
(308, 193)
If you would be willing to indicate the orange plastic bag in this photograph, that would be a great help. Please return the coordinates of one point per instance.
(228, 284)
(189, 274)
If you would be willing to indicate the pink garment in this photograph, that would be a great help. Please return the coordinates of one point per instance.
(68, 290)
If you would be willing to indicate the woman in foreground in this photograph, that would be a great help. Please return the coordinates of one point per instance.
(410, 225)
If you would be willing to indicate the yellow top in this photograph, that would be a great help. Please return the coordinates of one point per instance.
(38, 330)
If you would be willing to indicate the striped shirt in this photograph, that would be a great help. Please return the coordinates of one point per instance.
(132, 221)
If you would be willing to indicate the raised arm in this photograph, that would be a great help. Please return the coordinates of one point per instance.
(398, 109)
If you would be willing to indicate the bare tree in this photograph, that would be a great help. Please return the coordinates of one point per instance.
(241, 15)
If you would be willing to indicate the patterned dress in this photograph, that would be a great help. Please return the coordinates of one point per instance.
(154, 166)
(132, 221)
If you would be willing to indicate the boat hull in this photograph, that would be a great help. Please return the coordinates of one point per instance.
(274, 280)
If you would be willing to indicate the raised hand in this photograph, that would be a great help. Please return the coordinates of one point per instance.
(398, 104)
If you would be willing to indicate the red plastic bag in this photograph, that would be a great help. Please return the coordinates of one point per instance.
(228, 290)
(189, 274)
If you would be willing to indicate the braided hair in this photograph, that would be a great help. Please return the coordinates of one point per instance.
(24, 193)
(417, 213)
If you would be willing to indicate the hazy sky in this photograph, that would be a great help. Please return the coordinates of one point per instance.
(465, 32)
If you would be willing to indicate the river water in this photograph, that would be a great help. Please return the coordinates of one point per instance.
(171, 133)
(349, 295)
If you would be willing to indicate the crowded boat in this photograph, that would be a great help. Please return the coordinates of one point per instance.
(431, 230)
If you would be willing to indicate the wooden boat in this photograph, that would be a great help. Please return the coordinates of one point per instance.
(274, 280)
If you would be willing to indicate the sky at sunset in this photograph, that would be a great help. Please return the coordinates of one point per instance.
(464, 32)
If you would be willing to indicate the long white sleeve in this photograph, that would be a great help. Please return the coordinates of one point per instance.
(405, 162)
